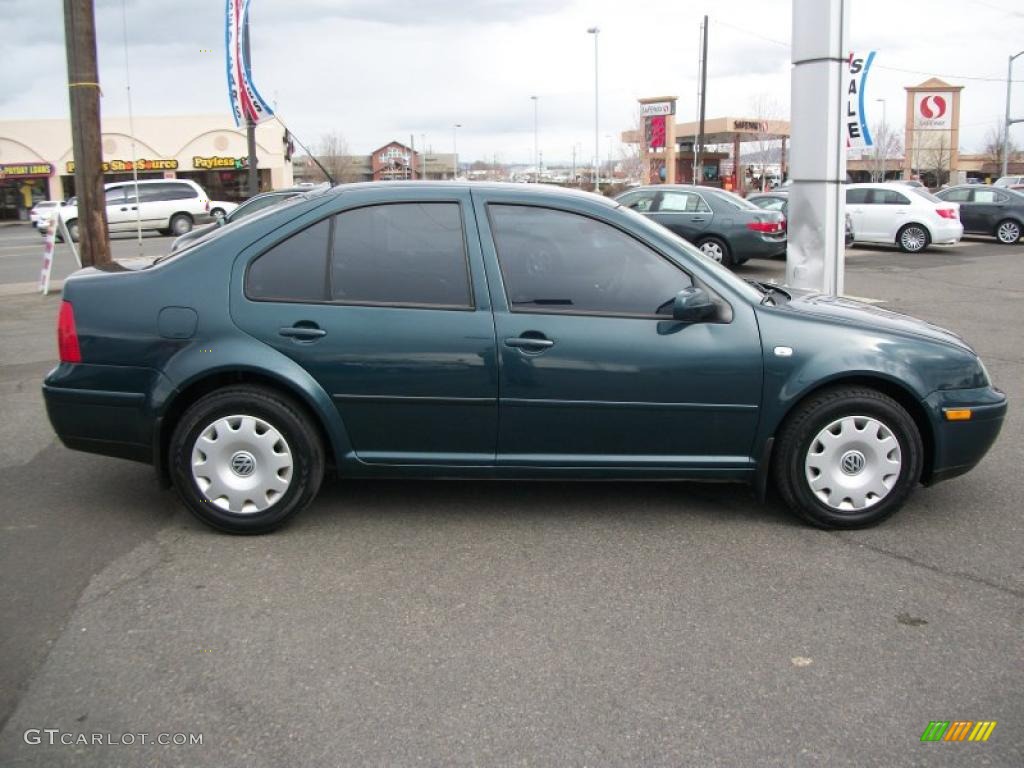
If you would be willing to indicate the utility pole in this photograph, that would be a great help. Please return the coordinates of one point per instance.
(84, 99)
(1006, 125)
(698, 170)
(250, 126)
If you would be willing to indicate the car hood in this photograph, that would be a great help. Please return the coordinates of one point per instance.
(853, 312)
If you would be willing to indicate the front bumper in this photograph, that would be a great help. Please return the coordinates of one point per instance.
(960, 445)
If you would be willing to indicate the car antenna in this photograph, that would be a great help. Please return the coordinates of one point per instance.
(289, 133)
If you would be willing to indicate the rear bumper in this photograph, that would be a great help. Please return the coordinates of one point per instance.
(960, 445)
(103, 409)
(947, 234)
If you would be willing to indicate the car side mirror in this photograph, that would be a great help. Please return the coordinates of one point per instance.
(692, 305)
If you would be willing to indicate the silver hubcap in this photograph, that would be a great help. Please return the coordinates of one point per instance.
(853, 463)
(713, 251)
(913, 239)
(1009, 232)
(181, 226)
(241, 464)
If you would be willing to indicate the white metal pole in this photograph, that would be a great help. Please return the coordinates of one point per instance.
(817, 202)
(597, 141)
(1006, 124)
(885, 137)
(455, 150)
(536, 166)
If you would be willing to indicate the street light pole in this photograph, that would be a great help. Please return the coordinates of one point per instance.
(597, 142)
(536, 166)
(455, 150)
(884, 137)
(1006, 125)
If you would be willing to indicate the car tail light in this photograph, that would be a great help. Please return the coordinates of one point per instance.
(767, 227)
(67, 336)
(207, 206)
(947, 213)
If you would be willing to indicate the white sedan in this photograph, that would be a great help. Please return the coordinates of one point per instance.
(896, 214)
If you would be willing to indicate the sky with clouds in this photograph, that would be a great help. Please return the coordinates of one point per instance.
(380, 70)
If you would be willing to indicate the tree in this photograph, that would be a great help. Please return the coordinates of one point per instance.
(888, 146)
(332, 152)
(766, 110)
(993, 147)
(934, 155)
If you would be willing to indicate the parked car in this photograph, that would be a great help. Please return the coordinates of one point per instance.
(914, 183)
(1009, 181)
(989, 211)
(779, 201)
(42, 210)
(221, 208)
(170, 206)
(499, 331)
(894, 213)
(254, 204)
(724, 226)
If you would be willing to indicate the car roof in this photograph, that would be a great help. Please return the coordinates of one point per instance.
(898, 186)
(521, 190)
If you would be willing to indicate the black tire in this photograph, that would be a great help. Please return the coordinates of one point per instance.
(217, 212)
(281, 414)
(800, 432)
(1005, 232)
(913, 238)
(719, 245)
(73, 230)
(180, 224)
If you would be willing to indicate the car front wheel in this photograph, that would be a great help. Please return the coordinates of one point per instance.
(245, 459)
(1008, 232)
(848, 458)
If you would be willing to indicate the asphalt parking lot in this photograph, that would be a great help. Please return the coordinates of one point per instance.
(541, 623)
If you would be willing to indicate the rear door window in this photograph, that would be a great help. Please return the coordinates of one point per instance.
(293, 270)
(856, 196)
(683, 202)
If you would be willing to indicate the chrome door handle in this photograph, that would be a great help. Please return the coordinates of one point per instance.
(530, 344)
(302, 333)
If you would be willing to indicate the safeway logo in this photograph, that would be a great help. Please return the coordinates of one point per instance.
(933, 107)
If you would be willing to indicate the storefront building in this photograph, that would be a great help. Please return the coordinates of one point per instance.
(37, 163)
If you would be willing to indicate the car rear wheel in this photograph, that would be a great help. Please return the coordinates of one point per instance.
(912, 238)
(245, 459)
(716, 250)
(848, 458)
(1008, 232)
(180, 224)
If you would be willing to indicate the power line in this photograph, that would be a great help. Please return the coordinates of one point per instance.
(877, 66)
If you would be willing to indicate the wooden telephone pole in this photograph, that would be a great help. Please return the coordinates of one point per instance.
(84, 98)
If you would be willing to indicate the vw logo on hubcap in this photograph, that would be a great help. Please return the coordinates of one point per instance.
(243, 464)
(852, 462)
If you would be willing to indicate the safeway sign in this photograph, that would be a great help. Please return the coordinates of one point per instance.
(657, 109)
(933, 111)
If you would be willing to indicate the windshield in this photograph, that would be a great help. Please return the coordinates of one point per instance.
(923, 192)
(737, 284)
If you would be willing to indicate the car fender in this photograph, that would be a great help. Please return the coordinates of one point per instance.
(247, 356)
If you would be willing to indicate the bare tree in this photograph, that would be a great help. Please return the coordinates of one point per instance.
(934, 155)
(993, 146)
(766, 109)
(332, 152)
(888, 145)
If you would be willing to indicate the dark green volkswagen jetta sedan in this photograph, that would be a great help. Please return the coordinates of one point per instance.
(492, 331)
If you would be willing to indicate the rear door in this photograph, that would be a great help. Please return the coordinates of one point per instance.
(684, 212)
(856, 206)
(385, 303)
(887, 210)
(120, 209)
(988, 208)
(968, 211)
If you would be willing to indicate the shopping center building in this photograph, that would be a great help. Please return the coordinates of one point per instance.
(37, 163)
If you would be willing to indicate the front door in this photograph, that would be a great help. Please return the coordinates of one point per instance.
(385, 305)
(593, 370)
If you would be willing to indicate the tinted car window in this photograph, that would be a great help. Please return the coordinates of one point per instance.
(683, 202)
(955, 195)
(293, 270)
(403, 253)
(553, 261)
(889, 197)
(114, 196)
(856, 196)
(638, 201)
(255, 204)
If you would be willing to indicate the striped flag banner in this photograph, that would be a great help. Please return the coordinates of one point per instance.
(246, 103)
(44, 275)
